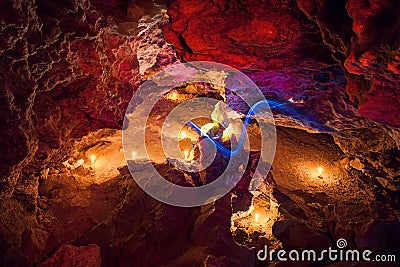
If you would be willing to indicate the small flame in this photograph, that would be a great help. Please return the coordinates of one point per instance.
(92, 159)
(256, 216)
(186, 153)
(183, 135)
(320, 169)
(174, 95)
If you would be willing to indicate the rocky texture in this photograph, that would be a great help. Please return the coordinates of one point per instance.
(67, 255)
(314, 210)
(145, 232)
(335, 70)
(273, 35)
(368, 47)
(377, 158)
(315, 100)
(69, 69)
(77, 206)
(246, 34)
(342, 202)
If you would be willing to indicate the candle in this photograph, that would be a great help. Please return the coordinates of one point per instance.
(320, 169)
(256, 217)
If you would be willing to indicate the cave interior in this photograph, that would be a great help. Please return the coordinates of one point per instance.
(71, 67)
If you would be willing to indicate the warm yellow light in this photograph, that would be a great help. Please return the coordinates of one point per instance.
(92, 159)
(174, 95)
(183, 135)
(256, 217)
(227, 133)
(206, 128)
(320, 170)
(186, 153)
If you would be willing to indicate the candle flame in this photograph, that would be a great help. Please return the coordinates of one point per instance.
(320, 171)
(183, 135)
(256, 217)
(174, 95)
(92, 159)
(186, 154)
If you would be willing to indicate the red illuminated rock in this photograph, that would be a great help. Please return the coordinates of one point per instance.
(276, 35)
(68, 255)
(249, 34)
(70, 68)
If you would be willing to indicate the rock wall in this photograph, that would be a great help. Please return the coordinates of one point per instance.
(70, 68)
(360, 36)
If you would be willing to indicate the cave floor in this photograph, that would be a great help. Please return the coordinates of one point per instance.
(295, 169)
(334, 204)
